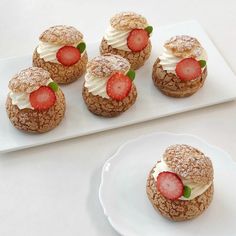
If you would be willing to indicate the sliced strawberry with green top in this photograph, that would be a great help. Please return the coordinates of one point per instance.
(118, 86)
(68, 55)
(137, 40)
(42, 98)
(188, 69)
(170, 185)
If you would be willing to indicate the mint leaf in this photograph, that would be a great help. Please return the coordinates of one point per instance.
(149, 29)
(187, 191)
(54, 86)
(131, 74)
(202, 63)
(81, 47)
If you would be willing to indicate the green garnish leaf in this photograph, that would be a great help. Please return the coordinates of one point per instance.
(131, 74)
(149, 29)
(54, 86)
(187, 191)
(81, 47)
(202, 63)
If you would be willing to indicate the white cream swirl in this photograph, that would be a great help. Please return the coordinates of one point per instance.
(168, 61)
(96, 85)
(48, 51)
(196, 189)
(117, 38)
(21, 99)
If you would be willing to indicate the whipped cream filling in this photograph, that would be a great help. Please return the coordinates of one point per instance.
(117, 38)
(169, 61)
(96, 85)
(196, 189)
(21, 100)
(48, 51)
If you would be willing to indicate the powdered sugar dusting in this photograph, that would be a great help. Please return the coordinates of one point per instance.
(61, 35)
(128, 21)
(189, 163)
(104, 66)
(184, 46)
(29, 80)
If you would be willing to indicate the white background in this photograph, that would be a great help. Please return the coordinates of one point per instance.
(52, 190)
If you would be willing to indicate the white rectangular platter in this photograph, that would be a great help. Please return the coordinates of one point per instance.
(219, 87)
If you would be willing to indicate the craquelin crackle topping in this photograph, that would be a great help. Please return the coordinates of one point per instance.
(177, 210)
(104, 66)
(184, 46)
(29, 79)
(34, 120)
(136, 59)
(189, 163)
(60, 73)
(171, 85)
(61, 35)
(128, 21)
(108, 107)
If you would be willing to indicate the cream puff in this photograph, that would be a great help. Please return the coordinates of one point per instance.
(35, 102)
(62, 52)
(181, 70)
(109, 89)
(180, 186)
(128, 36)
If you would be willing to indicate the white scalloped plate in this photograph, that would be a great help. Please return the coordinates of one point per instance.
(219, 87)
(123, 196)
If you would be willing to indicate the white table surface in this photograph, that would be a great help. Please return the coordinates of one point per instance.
(53, 189)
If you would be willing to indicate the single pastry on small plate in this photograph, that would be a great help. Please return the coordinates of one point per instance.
(35, 102)
(128, 36)
(109, 89)
(180, 186)
(62, 52)
(181, 70)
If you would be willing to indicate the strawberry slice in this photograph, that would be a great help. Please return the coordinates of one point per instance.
(68, 55)
(137, 40)
(42, 98)
(170, 185)
(188, 69)
(118, 86)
